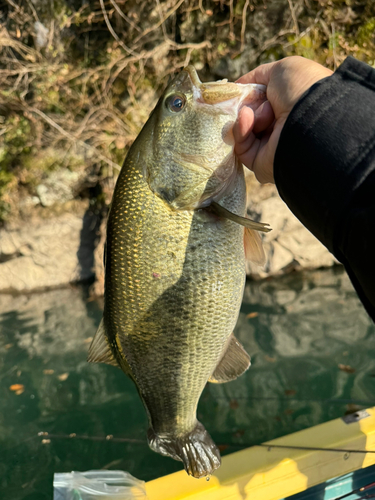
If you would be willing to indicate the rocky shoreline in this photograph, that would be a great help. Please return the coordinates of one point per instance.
(54, 248)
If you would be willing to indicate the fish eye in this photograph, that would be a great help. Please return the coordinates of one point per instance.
(176, 103)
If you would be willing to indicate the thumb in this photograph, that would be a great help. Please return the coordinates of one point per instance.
(260, 75)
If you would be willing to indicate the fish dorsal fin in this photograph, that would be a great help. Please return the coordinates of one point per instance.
(254, 251)
(234, 362)
(99, 351)
(217, 209)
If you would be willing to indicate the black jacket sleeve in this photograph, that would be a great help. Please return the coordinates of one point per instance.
(325, 169)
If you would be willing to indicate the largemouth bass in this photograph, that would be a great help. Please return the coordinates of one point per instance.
(175, 262)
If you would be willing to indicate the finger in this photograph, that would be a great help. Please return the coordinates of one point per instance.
(247, 155)
(264, 160)
(264, 118)
(261, 74)
(243, 125)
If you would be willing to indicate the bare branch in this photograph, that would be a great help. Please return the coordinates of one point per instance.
(112, 31)
(74, 139)
(294, 17)
(124, 16)
(157, 25)
(334, 46)
(243, 27)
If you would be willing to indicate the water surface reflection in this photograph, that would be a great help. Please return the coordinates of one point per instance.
(313, 359)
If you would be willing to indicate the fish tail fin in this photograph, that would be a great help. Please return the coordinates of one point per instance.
(195, 450)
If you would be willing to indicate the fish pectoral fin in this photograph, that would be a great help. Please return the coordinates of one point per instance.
(254, 251)
(99, 351)
(220, 211)
(234, 362)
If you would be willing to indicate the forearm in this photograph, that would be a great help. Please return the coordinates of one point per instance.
(325, 169)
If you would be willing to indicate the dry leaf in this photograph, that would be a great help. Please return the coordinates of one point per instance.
(120, 143)
(346, 368)
(88, 340)
(290, 392)
(17, 387)
(252, 315)
(63, 376)
(239, 433)
(352, 408)
(48, 372)
(20, 391)
(8, 346)
(223, 447)
(233, 404)
(269, 359)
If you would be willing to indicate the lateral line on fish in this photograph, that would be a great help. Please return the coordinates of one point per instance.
(217, 209)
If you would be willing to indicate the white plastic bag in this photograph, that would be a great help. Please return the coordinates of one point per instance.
(98, 484)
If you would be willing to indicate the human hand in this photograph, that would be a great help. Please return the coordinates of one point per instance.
(257, 135)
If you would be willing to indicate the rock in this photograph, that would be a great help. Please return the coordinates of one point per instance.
(58, 188)
(97, 289)
(226, 67)
(289, 246)
(46, 253)
(41, 35)
(28, 202)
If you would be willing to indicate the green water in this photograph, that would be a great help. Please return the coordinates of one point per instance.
(298, 330)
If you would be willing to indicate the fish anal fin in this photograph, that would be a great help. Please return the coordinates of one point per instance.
(234, 362)
(100, 351)
(254, 251)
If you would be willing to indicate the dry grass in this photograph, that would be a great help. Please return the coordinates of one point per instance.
(81, 80)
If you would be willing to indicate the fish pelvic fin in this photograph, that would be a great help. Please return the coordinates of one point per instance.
(234, 362)
(254, 251)
(99, 351)
(196, 450)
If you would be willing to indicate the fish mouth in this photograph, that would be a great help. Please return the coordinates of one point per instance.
(222, 91)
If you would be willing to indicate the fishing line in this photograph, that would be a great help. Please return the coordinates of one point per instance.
(312, 448)
(73, 435)
(110, 437)
(359, 402)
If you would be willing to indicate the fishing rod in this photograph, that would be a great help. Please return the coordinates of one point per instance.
(359, 490)
(47, 437)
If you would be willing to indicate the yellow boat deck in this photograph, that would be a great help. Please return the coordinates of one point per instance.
(275, 471)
